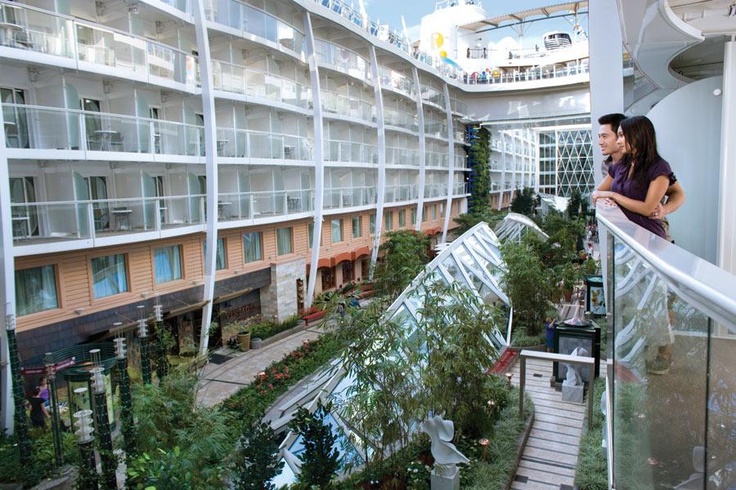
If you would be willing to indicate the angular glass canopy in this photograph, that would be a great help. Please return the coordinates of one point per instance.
(474, 263)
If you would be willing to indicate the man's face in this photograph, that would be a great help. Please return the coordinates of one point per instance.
(607, 140)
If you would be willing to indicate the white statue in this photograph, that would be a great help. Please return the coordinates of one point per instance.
(445, 474)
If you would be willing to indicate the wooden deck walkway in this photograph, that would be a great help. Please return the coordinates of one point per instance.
(551, 452)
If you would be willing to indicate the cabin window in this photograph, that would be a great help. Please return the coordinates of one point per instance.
(109, 275)
(336, 230)
(220, 257)
(284, 241)
(35, 290)
(252, 246)
(167, 262)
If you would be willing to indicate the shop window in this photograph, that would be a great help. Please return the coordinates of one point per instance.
(328, 278)
(347, 271)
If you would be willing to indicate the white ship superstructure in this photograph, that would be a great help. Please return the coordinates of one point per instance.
(230, 158)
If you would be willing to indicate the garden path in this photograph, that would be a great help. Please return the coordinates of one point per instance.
(551, 451)
(229, 370)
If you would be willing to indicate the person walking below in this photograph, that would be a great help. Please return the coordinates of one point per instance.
(39, 413)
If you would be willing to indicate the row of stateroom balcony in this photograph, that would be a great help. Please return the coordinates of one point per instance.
(139, 58)
(34, 127)
(86, 219)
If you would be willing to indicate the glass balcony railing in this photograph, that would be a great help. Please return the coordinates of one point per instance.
(346, 105)
(243, 143)
(53, 128)
(345, 197)
(435, 190)
(251, 20)
(400, 118)
(347, 151)
(437, 159)
(263, 204)
(41, 222)
(460, 188)
(672, 422)
(399, 193)
(433, 96)
(233, 78)
(396, 81)
(401, 156)
(342, 59)
(135, 57)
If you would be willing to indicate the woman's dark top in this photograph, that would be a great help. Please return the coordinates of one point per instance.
(635, 190)
(37, 417)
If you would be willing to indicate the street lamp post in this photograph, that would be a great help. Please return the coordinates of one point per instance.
(145, 351)
(162, 363)
(102, 421)
(126, 411)
(20, 418)
(55, 419)
(87, 467)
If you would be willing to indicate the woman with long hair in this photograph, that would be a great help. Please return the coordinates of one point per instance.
(638, 182)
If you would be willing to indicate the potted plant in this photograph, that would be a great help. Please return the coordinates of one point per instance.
(244, 338)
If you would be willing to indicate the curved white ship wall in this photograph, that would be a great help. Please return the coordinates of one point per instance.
(524, 105)
(688, 125)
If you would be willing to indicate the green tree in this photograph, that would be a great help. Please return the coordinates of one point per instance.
(524, 202)
(257, 459)
(528, 283)
(454, 331)
(182, 444)
(320, 459)
(405, 253)
(574, 205)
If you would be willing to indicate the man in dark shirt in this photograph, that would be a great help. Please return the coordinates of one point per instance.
(608, 141)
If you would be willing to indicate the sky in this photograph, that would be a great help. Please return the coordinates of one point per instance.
(390, 11)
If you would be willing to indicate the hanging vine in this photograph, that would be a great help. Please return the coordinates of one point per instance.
(480, 174)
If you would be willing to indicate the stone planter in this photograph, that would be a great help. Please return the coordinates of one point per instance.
(256, 343)
(244, 341)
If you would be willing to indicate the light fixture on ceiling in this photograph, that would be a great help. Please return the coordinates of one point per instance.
(134, 9)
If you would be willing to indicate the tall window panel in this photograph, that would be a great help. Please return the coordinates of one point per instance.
(413, 216)
(109, 275)
(357, 227)
(220, 256)
(402, 218)
(387, 218)
(252, 248)
(310, 234)
(372, 224)
(167, 261)
(284, 241)
(336, 230)
(35, 290)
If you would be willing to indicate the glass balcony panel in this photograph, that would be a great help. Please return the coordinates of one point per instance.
(660, 419)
